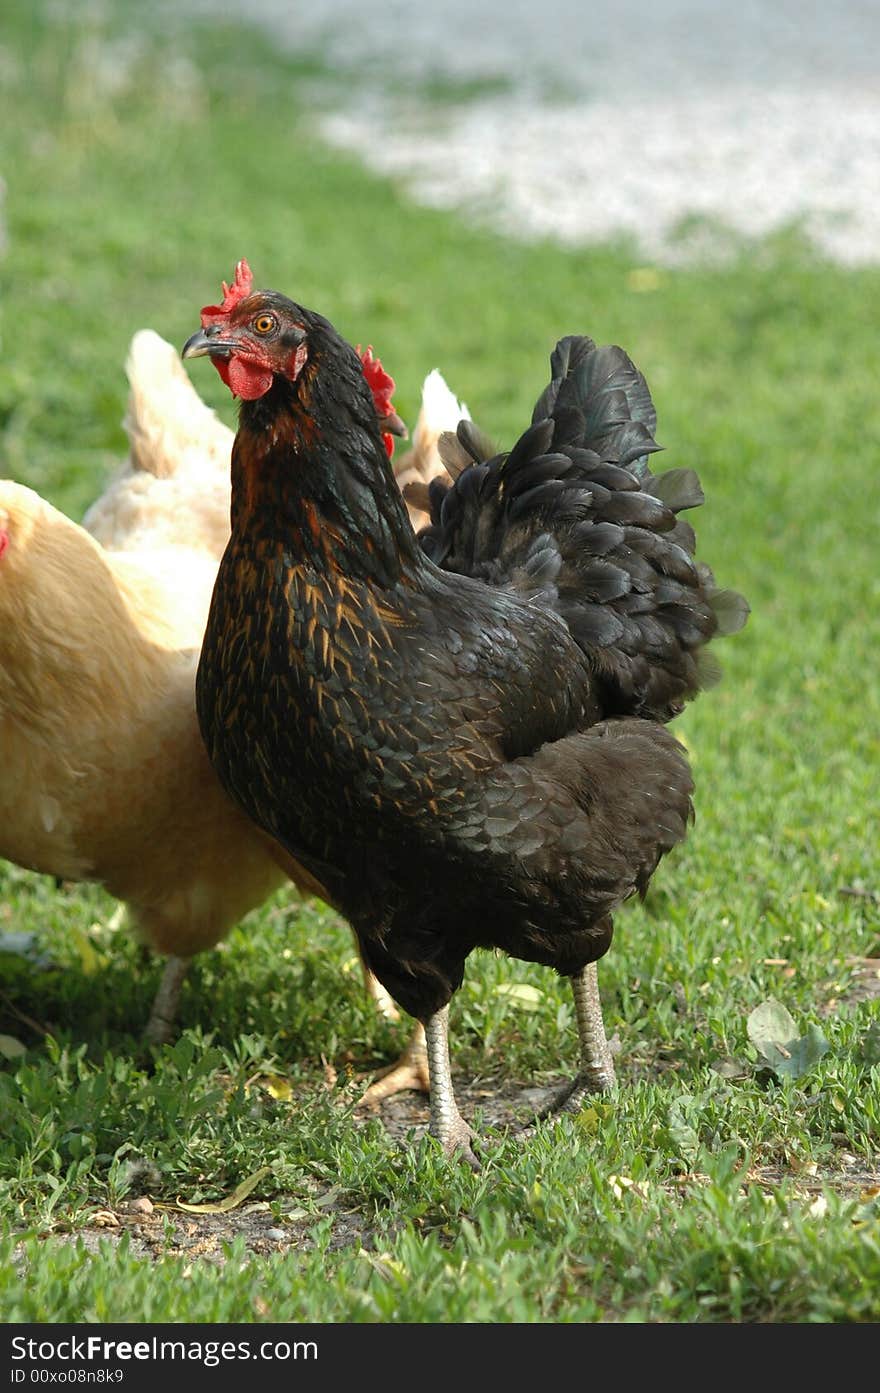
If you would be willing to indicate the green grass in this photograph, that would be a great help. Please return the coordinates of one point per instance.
(125, 207)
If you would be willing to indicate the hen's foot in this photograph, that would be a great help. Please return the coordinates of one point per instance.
(410, 1072)
(456, 1139)
(573, 1097)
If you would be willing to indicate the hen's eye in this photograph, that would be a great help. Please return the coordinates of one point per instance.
(265, 323)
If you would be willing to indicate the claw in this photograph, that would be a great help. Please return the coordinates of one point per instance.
(572, 1097)
(410, 1072)
(456, 1142)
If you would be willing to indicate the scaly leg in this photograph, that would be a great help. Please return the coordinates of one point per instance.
(596, 1071)
(160, 1026)
(447, 1123)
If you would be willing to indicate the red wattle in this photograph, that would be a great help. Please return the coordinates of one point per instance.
(244, 379)
(248, 380)
(4, 541)
(222, 366)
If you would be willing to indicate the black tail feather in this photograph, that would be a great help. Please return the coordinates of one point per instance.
(574, 516)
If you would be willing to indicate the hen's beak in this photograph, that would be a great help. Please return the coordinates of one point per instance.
(393, 424)
(203, 342)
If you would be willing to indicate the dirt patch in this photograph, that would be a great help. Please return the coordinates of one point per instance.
(864, 985)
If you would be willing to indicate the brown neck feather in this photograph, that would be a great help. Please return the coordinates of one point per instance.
(309, 468)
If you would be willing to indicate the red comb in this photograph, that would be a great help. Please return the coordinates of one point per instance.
(240, 288)
(4, 540)
(380, 383)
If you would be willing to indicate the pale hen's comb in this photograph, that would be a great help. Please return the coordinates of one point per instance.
(241, 287)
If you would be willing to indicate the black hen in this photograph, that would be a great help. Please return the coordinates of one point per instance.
(441, 706)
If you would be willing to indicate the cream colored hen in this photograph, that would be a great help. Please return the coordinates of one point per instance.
(173, 490)
(104, 774)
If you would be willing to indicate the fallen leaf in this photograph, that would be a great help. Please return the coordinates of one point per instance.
(232, 1201)
(729, 1068)
(625, 1185)
(329, 1198)
(117, 919)
(803, 1167)
(526, 997)
(277, 1086)
(383, 1263)
(589, 1119)
(774, 1034)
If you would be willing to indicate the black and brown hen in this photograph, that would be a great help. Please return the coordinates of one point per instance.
(475, 715)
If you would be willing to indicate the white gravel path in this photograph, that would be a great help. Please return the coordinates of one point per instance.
(584, 119)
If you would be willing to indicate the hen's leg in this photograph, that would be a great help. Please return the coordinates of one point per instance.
(410, 1071)
(382, 1000)
(160, 1026)
(596, 1069)
(447, 1123)
(596, 1073)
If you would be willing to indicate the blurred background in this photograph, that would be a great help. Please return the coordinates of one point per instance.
(672, 124)
(594, 166)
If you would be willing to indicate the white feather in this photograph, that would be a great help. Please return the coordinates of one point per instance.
(441, 410)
